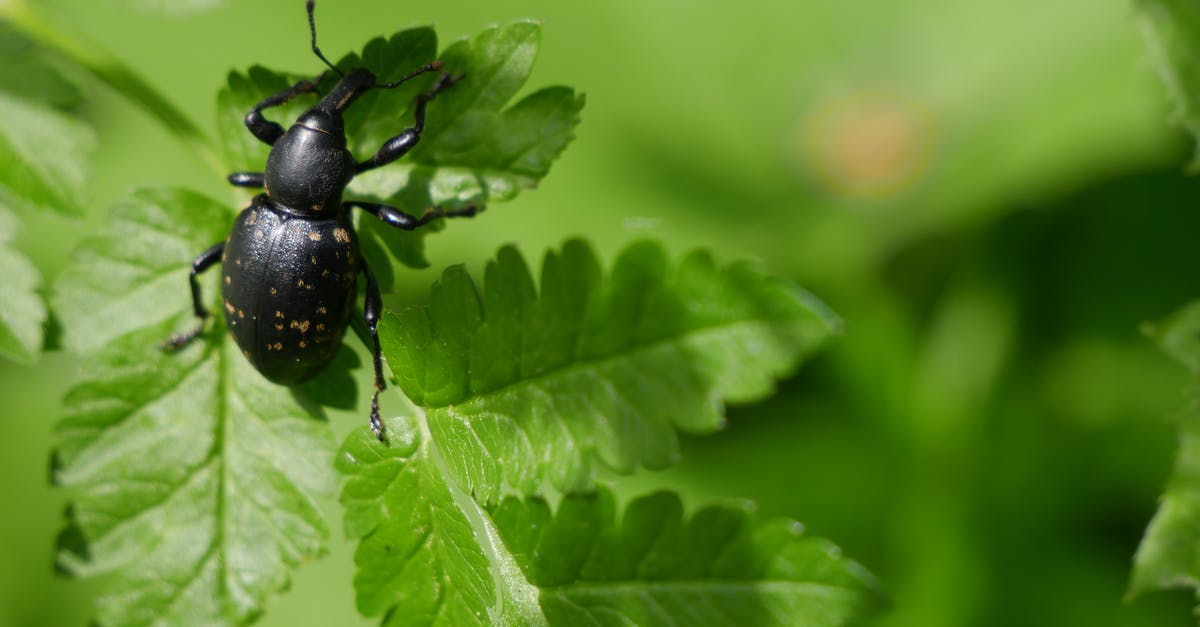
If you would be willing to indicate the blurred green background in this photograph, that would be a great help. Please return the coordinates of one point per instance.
(989, 193)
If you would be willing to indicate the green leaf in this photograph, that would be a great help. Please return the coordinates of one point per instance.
(1172, 29)
(473, 150)
(428, 554)
(27, 74)
(193, 481)
(44, 149)
(522, 387)
(22, 312)
(473, 140)
(135, 272)
(43, 153)
(419, 559)
(652, 565)
(1167, 556)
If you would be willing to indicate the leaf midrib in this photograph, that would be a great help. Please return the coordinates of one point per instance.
(705, 586)
(595, 362)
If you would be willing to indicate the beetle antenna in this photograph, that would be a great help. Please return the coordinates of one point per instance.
(428, 67)
(312, 28)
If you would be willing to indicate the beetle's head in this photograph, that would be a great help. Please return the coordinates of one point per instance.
(353, 84)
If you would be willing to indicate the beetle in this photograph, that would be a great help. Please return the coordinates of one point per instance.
(291, 262)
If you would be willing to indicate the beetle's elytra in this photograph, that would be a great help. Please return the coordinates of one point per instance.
(296, 278)
(291, 262)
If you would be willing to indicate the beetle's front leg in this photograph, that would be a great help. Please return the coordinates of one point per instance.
(266, 130)
(247, 179)
(372, 309)
(397, 146)
(199, 265)
(401, 220)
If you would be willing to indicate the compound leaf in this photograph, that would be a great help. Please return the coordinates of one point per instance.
(43, 161)
(429, 555)
(418, 557)
(523, 386)
(1167, 556)
(473, 150)
(193, 481)
(44, 147)
(651, 565)
(1172, 29)
(22, 312)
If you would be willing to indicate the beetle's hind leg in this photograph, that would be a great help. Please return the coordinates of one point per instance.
(372, 309)
(199, 265)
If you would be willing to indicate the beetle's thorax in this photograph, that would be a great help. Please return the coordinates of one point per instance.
(309, 165)
(308, 169)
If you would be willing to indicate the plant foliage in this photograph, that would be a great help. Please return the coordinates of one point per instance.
(22, 311)
(1172, 30)
(525, 386)
(1166, 557)
(44, 149)
(430, 555)
(474, 150)
(193, 479)
(194, 482)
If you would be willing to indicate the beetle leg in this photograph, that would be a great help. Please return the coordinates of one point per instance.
(200, 264)
(247, 179)
(372, 309)
(266, 130)
(401, 220)
(397, 146)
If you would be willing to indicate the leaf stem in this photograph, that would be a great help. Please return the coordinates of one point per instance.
(113, 73)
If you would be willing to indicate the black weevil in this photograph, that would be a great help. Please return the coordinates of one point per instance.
(291, 261)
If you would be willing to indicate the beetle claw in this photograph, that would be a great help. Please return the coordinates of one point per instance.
(376, 423)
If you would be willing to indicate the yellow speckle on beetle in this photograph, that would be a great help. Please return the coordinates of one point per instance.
(341, 235)
(303, 344)
(241, 314)
(228, 280)
(279, 327)
(278, 346)
(314, 236)
(321, 326)
(274, 292)
(303, 326)
(252, 217)
(229, 307)
(321, 310)
(279, 314)
(313, 259)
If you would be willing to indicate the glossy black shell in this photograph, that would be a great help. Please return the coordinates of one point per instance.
(288, 288)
